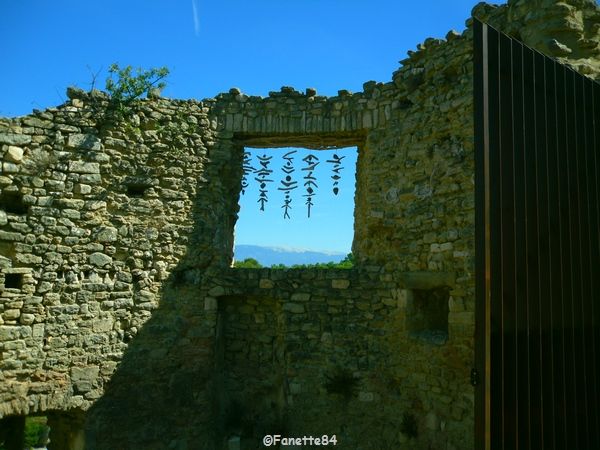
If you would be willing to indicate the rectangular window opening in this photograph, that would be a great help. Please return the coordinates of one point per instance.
(280, 188)
(427, 315)
(136, 190)
(13, 280)
(12, 202)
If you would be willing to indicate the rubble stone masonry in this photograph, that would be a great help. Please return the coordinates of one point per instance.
(123, 322)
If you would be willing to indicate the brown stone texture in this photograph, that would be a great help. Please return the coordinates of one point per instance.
(117, 300)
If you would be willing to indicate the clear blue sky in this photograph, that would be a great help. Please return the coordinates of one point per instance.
(211, 46)
(332, 216)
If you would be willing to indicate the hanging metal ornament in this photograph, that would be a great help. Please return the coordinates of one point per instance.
(287, 183)
(311, 163)
(336, 161)
(262, 173)
(247, 170)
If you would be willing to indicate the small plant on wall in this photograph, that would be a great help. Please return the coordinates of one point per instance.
(124, 85)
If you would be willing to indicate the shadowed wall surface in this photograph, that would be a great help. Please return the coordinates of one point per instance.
(118, 305)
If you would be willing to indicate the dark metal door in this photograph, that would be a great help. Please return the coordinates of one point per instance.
(537, 133)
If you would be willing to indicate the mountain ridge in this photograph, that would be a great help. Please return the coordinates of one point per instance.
(269, 255)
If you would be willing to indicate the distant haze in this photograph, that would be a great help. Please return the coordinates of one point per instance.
(268, 256)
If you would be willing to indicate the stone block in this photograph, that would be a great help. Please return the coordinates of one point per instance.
(90, 178)
(83, 378)
(27, 319)
(11, 314)
(14, 139)
(8, 167)
(107, 234)
(82, 189)
(99, 259)
(102, 325)
(27, 258)
(14, 154)
(300, 297)
(427, 279)
(8, 236)
(366, 396)
(216, 291)
(38, 330)
(84, 141)
(265, 283)
(456, 304)
(404, 297)
(210, 304)
(461, 318)
(295, 308)
(37, 123)
(340, 284)
(84, 167)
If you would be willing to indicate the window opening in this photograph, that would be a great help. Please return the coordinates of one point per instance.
(136, 190)
(428, 315)
(296, 206)
(13, 280)
(12, 202)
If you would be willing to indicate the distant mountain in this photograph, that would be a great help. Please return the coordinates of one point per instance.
(268, 256)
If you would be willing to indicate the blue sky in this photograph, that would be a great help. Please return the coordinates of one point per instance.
(210, 47)
(332, 216)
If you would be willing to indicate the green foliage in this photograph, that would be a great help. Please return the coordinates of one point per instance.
(346, 263)
(35, 430)
(248, 263)
(124, 86)
(251, 263)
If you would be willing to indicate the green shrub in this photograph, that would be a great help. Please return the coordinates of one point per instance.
(248, 263)
(124, 86)
(35, 432)
(346, 263)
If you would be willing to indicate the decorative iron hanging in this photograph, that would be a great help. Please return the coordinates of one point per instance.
(311, 163)
(336, 161)
(262, 173)
(247, 169)
(287, 183)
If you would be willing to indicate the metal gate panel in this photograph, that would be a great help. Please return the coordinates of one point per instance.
(537, 191)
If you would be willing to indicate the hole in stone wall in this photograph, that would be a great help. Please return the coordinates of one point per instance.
(136, 190)
(427, 315)
(12, 202)
(13, 281)
(280, 188)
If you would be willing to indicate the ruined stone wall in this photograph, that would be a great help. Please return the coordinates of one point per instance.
(116, 237)
(94, 217)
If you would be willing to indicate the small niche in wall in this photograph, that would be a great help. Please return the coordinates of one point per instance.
(427, 315)
(12, 202)
(13, 281)
(136, 190)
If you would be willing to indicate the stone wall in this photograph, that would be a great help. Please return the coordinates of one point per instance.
(116, 237)
(330, 351)
(92, 255)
